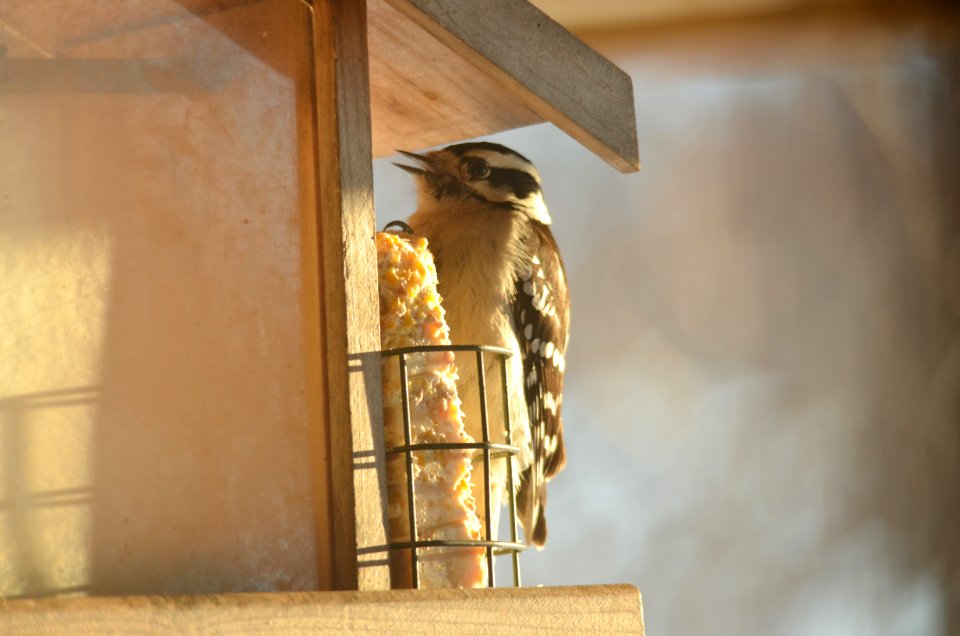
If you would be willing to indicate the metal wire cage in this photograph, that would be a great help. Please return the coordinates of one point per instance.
(487, 451)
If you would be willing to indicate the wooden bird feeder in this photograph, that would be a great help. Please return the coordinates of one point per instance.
(190, 399)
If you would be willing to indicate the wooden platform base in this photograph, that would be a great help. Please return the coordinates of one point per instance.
(605, 609)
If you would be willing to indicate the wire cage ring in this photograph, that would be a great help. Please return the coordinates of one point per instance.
(487, 450)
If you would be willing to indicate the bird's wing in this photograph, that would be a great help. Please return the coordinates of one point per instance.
(541, 318)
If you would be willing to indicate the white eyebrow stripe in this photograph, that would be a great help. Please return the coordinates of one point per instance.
(500, 160)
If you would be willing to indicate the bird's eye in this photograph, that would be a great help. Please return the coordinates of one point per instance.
(476, 168)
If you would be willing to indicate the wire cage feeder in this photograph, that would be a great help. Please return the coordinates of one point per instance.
(485, 451)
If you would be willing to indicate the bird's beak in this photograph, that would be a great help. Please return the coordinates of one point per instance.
(423, 162)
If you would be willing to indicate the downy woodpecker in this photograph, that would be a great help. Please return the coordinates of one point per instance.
(502, 281)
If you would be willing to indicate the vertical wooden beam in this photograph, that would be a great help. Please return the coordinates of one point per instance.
(350, 297)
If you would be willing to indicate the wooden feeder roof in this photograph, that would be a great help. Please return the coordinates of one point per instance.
(445, 70)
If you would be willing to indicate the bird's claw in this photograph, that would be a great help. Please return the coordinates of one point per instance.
(400, 224)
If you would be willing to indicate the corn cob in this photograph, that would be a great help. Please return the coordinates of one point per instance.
(411, 315)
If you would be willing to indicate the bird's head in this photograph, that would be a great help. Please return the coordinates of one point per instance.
(494, 174)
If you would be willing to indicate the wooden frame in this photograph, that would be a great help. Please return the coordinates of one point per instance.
(388, 73)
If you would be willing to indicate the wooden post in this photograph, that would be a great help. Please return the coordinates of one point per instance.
(350, 297)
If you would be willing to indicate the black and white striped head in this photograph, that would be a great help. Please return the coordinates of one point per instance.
(489, 172)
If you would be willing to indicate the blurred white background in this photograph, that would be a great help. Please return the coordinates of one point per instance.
(764, 377)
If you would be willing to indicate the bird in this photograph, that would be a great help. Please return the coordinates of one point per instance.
(502, 279)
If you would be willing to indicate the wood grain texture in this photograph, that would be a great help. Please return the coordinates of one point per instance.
(606, 609)
(350, 298)
(543, 65)
(423, 94)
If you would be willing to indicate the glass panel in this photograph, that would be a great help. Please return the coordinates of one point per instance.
(159, 299)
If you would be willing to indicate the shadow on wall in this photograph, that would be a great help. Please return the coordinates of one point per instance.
(34, 564)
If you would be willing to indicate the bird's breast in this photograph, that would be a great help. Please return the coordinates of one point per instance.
(475, 260)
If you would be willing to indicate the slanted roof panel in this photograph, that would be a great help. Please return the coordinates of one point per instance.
(529, 58)
(423, 94)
